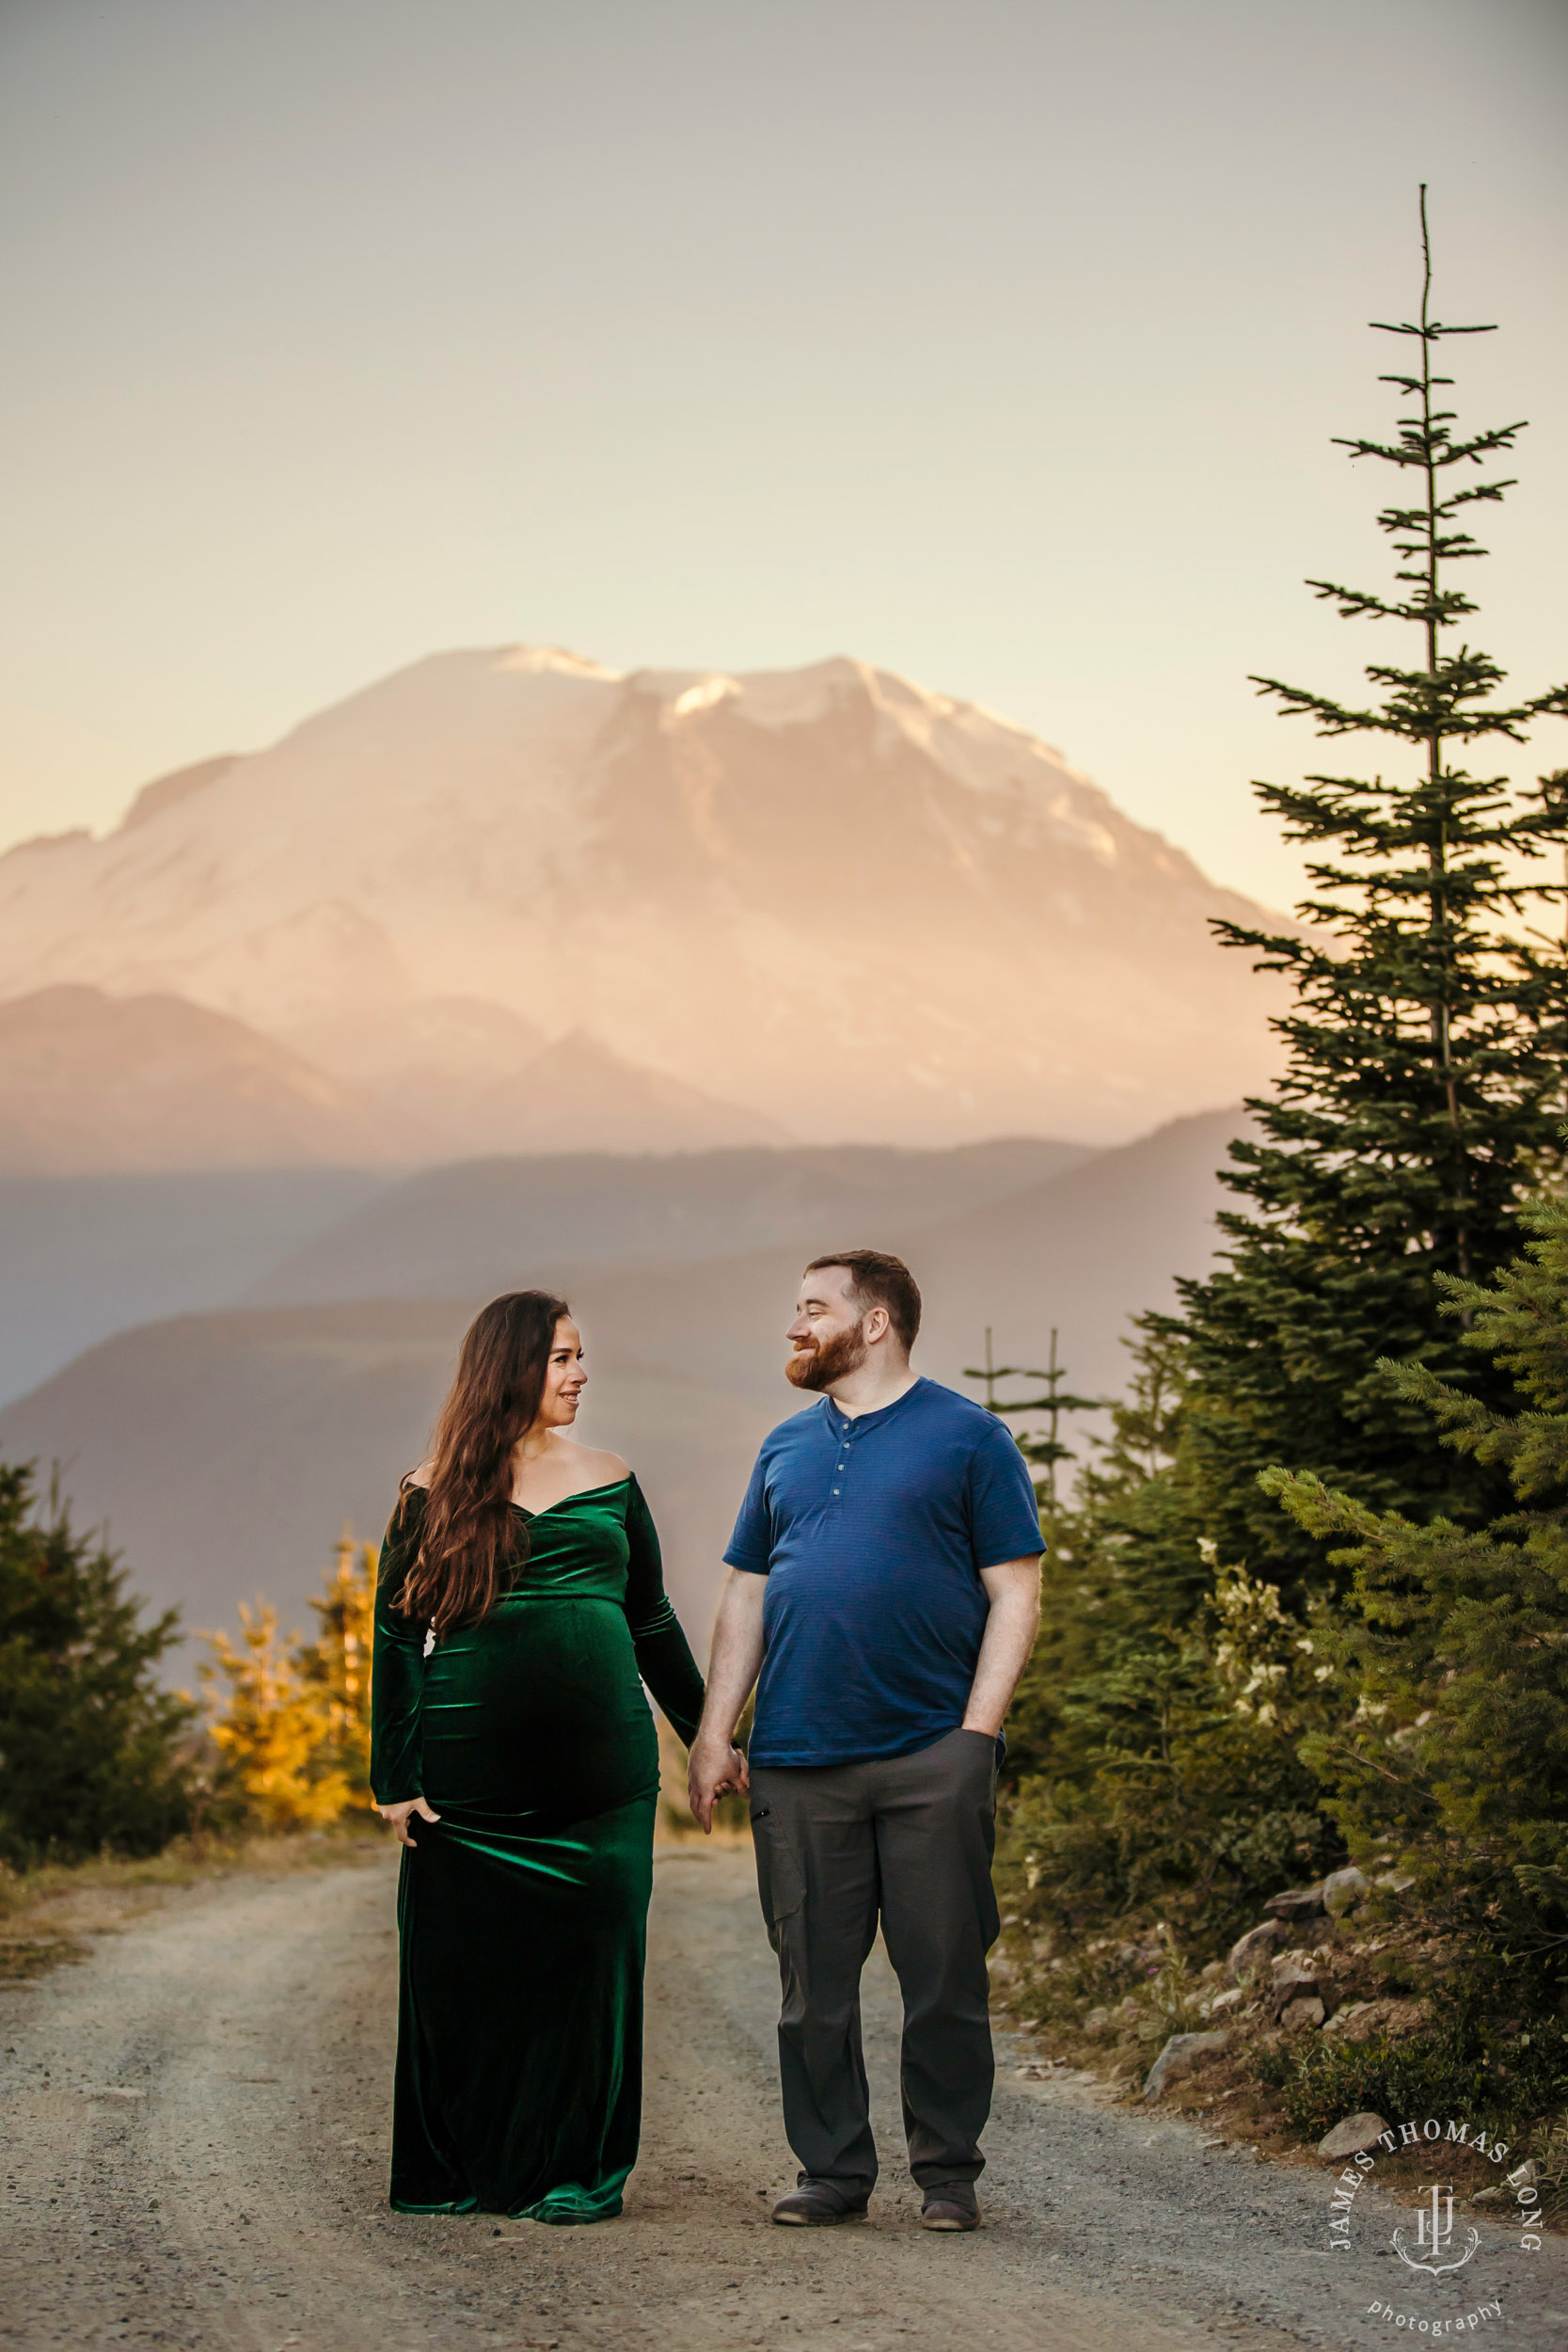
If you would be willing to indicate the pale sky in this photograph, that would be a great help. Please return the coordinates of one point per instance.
(996, 341)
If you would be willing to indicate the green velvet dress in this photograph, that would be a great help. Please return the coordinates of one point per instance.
(522, 1913)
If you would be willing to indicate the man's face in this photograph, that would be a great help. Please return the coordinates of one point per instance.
(828, 1335)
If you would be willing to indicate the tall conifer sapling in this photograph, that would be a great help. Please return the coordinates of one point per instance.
(1425, 1049)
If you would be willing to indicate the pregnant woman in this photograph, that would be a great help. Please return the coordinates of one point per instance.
(520, 1610)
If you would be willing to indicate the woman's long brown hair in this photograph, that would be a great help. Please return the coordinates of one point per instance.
(470, 1532)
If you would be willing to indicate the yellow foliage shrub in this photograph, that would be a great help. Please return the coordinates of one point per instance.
(291, 1719)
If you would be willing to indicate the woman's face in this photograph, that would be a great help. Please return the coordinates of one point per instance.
(565, 1377)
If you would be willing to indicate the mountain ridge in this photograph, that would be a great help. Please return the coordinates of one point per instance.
(457, 1232)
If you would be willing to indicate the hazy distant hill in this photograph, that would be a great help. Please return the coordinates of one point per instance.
(465, 1231)
(226, 1449)
(844, 904)
(1081, 1251)
(580, 1095)
(458, 1077)
(91, 1084)
(83, 1256)
(462, 1047)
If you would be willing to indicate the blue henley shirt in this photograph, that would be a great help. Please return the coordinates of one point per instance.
(872, 1534)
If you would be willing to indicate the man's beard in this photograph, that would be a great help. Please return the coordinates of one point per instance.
(820, 1363)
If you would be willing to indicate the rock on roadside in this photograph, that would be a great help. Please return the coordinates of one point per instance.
(1183, 2055)
(1344, 1890)
(1303, 2015)
(1294, 1979)
(1353, 2135)
(1252, 1949)
(1357, 2020)
(1297, 1902)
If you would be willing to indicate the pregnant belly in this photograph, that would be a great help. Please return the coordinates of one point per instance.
(539, 1710)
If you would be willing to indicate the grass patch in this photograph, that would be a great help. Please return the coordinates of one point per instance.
(25, 1955)
(1498, 2082)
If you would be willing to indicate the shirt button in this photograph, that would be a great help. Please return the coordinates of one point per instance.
(835, 1490)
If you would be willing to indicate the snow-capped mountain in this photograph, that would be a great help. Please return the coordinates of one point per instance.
(847, 905)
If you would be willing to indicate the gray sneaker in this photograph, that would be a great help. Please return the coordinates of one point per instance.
(950, 2205)
(816, 2204)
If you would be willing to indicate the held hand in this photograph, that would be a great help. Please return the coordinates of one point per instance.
(716, 1769)
(399, 1816)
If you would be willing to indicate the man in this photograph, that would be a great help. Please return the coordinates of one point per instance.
(884, 1576)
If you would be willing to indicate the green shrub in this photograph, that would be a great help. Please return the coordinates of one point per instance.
(1458, 2069)
(1457, 1637)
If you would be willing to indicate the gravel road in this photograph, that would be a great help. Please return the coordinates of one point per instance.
(195, 2127)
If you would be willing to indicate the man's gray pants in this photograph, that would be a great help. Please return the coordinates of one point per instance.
(909, 1840)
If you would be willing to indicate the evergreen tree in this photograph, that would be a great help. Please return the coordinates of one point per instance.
(1046, 1451)
(1170, 1729)
(1426, 1046)
(1456, 1761)
(92, 1752)
(1124, 1571)
(1155, 1730)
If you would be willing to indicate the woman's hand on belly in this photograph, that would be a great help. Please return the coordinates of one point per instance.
(399, 1816)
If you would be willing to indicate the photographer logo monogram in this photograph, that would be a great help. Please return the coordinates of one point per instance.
(1434, 2236)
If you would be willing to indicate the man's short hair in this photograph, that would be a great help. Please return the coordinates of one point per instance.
(877, 1279)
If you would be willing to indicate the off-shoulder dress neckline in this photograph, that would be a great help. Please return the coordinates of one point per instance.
(577, 1494)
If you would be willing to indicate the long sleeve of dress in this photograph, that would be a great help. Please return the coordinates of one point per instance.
(397, 1667)
(664, 1658)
